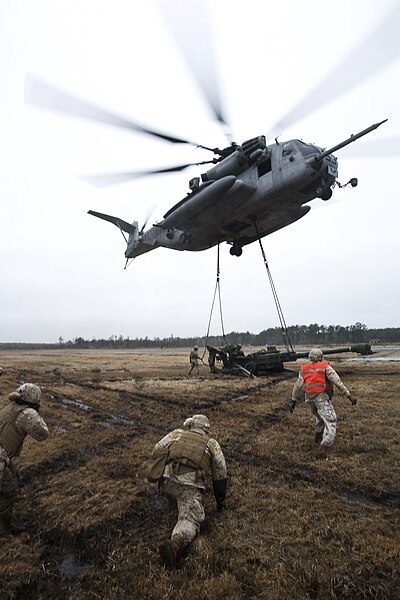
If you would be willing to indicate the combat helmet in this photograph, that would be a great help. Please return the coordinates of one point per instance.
(198, 422)
(29, 392)
(315, 355)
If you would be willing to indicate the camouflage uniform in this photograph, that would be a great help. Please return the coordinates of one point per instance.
(17, 420)
(186, 485)
(194, 361)
(320, 403)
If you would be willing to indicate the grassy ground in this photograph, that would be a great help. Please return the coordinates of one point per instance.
(298, 526)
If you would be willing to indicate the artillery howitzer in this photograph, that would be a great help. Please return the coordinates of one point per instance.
(236, 362)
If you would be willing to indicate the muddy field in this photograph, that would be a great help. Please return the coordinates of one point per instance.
(298, 526)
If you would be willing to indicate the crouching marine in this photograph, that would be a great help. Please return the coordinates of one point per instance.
(189, 453)
(18, 419)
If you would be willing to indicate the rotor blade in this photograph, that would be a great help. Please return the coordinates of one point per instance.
(190, 25)
(379, 148)
(113, 178)
(371, 55)
(147, 217)
(43, 95)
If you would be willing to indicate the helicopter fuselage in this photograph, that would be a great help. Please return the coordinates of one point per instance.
(252, 191)
(243, 197)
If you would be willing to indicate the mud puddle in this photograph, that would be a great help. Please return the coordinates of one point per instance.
(109, 420)
(367, 359)
(77, 403)
(70, 570)
(116, 420)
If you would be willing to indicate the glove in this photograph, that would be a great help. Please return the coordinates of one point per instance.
(219, 489)
(292, 405)
(352, 400)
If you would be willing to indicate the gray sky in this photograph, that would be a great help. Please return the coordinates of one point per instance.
(62, 270)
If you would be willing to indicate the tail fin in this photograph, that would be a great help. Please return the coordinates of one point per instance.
(120, 223)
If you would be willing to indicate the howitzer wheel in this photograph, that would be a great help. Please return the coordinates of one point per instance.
(251, 367)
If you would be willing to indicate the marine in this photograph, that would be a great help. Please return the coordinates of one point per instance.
(19, 418)
(194, 360)
(191, 455)
(315, 383)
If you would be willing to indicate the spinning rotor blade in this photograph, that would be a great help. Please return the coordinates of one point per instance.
(43, 95)
(113, 178)
(379, 148)
(190, 25)
(370, 56)
(149, 213)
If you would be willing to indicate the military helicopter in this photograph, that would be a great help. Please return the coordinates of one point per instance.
(252, 190)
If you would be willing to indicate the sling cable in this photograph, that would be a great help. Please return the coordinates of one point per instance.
(285, 333)
(284, 329)
(217, 289)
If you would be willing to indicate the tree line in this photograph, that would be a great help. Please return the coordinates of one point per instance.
(304, 335)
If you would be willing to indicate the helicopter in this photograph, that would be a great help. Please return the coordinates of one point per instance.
(251, 190)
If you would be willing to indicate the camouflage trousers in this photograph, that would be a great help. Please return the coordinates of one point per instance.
(190, 509)
(8, 487)
(194, 365)
(325, 420)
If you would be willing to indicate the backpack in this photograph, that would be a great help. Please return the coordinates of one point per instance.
(156, 465)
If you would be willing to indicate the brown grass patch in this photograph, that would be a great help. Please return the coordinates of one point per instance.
(296, 526)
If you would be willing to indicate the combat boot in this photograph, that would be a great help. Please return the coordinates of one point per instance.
(318, 437)
(169, 551)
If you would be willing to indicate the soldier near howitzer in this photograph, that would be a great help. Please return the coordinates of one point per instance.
(18, 419)
(192, 454)
(194, 361)
(316, 380)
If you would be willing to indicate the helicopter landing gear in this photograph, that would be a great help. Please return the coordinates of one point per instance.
(326, 195)
(236, 250)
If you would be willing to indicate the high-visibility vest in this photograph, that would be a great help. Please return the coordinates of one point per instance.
(315, 379)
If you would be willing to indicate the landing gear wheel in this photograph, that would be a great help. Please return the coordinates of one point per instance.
(236, 250)
(327, 194)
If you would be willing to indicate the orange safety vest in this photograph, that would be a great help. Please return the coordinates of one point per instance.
(315, 379)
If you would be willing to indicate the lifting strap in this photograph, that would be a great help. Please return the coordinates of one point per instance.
(217, 288)
(284, 329)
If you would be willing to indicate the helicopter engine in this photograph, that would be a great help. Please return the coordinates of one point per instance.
(239, 158)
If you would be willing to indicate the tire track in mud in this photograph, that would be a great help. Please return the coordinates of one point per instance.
(292, 473)
(73, 458)
(140, 396)
(309, 475)
(368, 497)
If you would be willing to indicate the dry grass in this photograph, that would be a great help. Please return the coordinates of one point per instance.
(297, 527)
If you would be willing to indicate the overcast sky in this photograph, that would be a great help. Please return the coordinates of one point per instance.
(62, 270)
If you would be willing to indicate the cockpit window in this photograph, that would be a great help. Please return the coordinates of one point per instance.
(307, 149)
(288, 149)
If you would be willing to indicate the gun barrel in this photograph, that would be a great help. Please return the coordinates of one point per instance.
(349, 140)
(362, 349)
